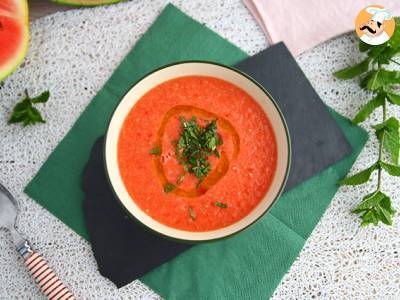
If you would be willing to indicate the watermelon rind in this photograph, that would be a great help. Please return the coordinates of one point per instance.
(86, 2)
(17, 60)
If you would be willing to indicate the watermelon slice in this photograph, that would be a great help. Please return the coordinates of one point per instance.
(14, 34)
(86, 2)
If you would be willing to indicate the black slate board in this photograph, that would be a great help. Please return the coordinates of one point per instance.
(316, 139)
(124, 250)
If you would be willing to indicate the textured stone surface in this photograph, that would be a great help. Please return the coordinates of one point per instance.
(73, 53)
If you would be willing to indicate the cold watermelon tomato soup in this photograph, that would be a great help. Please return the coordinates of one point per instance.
(197, 153)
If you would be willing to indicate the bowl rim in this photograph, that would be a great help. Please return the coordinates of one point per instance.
(282, 185)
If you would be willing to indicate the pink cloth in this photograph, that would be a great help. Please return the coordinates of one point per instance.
(306, 23)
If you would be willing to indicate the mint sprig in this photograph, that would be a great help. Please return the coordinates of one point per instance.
(196, 144)
(24, 112)
(377, 206)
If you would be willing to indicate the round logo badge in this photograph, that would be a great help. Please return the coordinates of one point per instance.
(375, 25)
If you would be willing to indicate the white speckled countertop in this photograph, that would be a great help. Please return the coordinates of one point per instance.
(339, 261)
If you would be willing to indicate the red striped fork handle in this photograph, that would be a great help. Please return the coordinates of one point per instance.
(51, 286)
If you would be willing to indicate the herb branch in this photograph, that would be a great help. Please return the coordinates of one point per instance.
(377, 207)
(24, 112)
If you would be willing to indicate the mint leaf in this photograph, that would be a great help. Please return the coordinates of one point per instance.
(353, 71)
(391, 169)
(369, 201)
(220, 204)
(394, 41)
(364, 81)
(391, 141)
(363, 47)
(369, 217)
(384, 215)
(368, 108)
(34, 117)
(386, 204)
(20, 111)
(155, 151)
(24, 112)
(169, 187)
(388, 124)
(42, 98)
(382, 78)
(375, 207)
(376, 51)
(385, 56)
(360, 177)
(393, 98)
(385, 210)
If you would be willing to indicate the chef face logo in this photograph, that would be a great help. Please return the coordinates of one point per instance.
(373, 28)
(375, 25)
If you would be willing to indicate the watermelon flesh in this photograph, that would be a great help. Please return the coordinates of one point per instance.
(14, 34)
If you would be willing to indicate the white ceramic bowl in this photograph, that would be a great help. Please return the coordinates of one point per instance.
(206, 69)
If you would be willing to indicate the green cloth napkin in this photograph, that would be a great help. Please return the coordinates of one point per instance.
(250, 265)
(247, 266)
